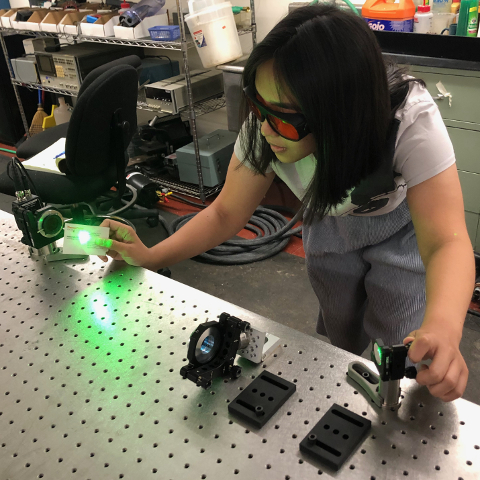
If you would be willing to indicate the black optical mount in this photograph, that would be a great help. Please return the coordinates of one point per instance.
(390, 361)
(383, 388)
(40, 225)
(212, 350)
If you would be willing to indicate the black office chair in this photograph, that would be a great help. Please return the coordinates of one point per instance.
(48, 137)
(97, 136)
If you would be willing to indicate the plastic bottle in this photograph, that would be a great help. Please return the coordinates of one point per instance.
(472, 26)
(388, 16)
(423, 20)
(145, 8)
(124, 6)
(454, 9)
(463, 17)
(62, 113)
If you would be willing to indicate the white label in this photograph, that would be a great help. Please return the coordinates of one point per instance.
(199, 39)
(80, 239)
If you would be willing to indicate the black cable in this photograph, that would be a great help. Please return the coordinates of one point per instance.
(16, 179)
(188, 202)
(21, 170)
(273, 231)
(30, 185)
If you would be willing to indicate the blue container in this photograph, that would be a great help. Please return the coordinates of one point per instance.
(165, 33)
(390, 25)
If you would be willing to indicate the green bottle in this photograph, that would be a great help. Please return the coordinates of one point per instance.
(472, 26)
(463, 15)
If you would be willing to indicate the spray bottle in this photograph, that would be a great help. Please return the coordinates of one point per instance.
(145, 8)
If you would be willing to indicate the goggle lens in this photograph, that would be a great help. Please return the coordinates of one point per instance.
(284, 129)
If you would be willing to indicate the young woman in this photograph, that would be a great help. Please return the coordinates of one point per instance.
(364, 147)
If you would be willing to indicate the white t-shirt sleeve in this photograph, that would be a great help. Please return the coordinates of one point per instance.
(424, 148)
(238, 150)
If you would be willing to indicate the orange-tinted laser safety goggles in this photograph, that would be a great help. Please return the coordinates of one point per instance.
(291, 126)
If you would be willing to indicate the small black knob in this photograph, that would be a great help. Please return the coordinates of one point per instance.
(411, 372)
(259, 411)
(235, 372)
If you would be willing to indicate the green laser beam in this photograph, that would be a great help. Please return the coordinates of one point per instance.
(83, 237)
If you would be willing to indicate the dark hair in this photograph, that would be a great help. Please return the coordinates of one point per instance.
(331, 63)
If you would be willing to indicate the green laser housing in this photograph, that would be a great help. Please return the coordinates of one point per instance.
(40, 226)
(390, 360)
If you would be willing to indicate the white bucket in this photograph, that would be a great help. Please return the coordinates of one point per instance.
(215, 34)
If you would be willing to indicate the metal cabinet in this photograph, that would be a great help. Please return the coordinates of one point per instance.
(462, 119)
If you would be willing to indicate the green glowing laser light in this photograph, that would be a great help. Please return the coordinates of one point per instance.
(378, 354)
(83, 237)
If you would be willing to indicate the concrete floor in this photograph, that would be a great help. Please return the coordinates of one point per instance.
(278, 288)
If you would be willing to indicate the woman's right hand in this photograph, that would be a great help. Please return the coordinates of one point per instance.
(123, 244)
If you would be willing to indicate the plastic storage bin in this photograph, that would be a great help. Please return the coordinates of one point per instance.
(213, 28)
(166, 33)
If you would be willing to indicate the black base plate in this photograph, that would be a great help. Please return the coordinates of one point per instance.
(261, 399)
(336, 436)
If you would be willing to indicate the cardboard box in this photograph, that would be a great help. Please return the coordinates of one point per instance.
(33, 23)
(51, 21)
(70, 23)
(141, 30)
(7, 16)
(103, 27)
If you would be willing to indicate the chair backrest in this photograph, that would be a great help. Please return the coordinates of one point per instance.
(132, 60)
(90, 147)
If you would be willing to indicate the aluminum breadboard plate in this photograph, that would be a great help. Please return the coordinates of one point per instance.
(90, 355)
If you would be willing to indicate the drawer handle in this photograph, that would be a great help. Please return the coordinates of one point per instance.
(443, 94)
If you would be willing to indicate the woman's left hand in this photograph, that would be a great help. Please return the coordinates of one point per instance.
(446, 377)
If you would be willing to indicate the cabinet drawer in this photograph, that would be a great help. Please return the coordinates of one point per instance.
(466, 144)
(471, 219)
(471, 191)
(465, 95)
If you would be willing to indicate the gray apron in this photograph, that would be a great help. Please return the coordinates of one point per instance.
(368, 276)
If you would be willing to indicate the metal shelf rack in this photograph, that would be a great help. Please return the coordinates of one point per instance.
(184, 44)
(201, 108)
(39, 86)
